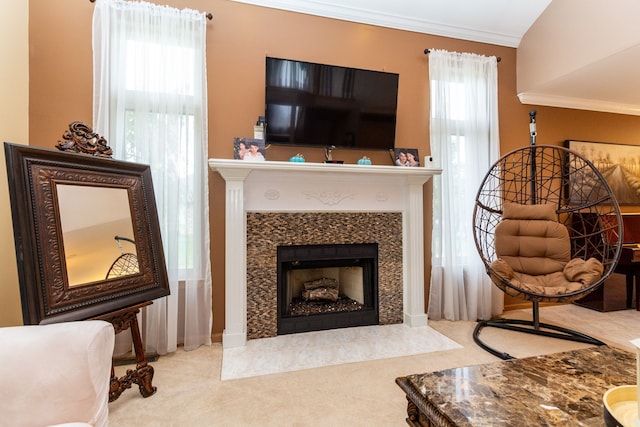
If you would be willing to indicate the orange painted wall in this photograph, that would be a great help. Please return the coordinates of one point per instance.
(14, 127)
(238, 39)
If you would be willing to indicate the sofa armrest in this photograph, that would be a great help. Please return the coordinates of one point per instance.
(56, 374)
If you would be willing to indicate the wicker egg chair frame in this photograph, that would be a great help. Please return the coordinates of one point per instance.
(584, 203)
(126, 263)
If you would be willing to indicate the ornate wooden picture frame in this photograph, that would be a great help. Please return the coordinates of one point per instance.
(36, 178)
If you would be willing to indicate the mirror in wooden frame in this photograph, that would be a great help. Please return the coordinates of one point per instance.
(56, 194)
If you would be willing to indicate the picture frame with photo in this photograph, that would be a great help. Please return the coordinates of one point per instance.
(249, 149)
(407, 157)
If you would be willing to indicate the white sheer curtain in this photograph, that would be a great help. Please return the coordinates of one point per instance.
(150, 103)
(464, 143)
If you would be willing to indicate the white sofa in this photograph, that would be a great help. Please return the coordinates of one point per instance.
(56, 374)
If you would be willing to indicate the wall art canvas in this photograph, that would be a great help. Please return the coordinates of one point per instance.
(619, 164)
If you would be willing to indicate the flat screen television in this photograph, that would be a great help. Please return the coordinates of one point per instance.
(309, 104)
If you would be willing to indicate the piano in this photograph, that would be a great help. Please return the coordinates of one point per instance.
(609, 296)
(630, 253)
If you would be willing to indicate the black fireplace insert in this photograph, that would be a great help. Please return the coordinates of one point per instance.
(324, 287)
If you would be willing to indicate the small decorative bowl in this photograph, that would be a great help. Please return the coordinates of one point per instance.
(364, 161)
(621, 406)
(298, 158)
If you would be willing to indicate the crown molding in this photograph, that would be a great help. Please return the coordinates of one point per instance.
(532, 98)
(337, 11)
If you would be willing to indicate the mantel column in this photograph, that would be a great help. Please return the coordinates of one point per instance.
(235, 264)
(413, 247)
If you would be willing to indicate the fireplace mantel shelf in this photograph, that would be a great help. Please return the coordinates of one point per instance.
(222, 165)
(276, 186)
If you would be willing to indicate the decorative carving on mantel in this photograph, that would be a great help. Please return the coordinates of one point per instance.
(329, 198)
(382, 197)
(80, 138)
(272, 194)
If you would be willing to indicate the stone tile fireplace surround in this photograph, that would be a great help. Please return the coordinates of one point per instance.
(319, 204)
(267, 230)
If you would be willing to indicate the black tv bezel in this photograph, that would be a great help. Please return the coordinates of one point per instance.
(358, 145)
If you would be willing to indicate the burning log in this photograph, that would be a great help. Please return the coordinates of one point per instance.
(324, 289)
(321, 294)
(324, 282)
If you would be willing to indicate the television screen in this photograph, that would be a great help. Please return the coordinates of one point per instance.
(310, 104)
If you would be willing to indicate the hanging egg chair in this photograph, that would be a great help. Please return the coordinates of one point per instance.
(547, 226)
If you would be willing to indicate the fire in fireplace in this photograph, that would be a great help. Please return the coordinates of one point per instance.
(327, 286)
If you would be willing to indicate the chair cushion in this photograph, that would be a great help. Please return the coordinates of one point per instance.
(534, 254)
(585, 272)
(542, 211)
(531, 239)
(578, 275)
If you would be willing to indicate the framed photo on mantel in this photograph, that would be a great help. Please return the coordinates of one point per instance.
(249, 149)
(407, 157)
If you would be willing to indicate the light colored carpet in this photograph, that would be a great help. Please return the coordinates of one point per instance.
(616, 328)
(308, 350)
(191, 393)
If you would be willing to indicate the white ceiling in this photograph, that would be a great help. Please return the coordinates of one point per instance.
(582, 54)
(500, 22)
(571, 53)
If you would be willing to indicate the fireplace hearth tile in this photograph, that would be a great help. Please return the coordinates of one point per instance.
(316, 349)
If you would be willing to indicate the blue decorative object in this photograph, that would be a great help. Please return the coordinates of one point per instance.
(298, 158)
(364, 161)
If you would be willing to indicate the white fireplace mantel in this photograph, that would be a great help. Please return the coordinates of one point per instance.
(274, 186)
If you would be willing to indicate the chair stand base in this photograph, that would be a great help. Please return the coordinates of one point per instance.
(529, 327)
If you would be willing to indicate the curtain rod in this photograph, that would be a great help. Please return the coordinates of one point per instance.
(207, 14)
(426, 52)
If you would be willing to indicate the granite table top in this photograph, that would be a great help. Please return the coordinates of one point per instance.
(561, 389)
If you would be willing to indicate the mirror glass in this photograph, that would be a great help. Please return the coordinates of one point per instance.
(97, 233)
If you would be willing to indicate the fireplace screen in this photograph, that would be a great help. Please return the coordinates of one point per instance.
(327, 286)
